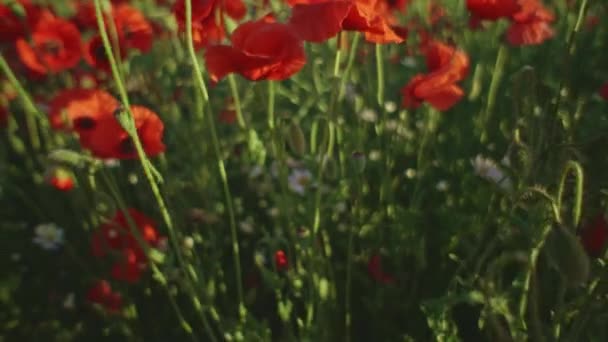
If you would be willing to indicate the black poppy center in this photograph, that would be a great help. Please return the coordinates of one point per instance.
(51, 47)
(100, 53)
(84, 123)
(126, 146)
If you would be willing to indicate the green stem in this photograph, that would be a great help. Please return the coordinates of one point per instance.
(220, 162)
(349, 65)
(32, 114)
(499, 66)
(349, 260)
(578, 195)
(157, 274)
(237, 103)
(380, 75)
(146, 164)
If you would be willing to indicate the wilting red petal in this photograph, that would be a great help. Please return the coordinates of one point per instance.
(319, 22)
(99, 292)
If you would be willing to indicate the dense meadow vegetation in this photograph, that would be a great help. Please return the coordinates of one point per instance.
(303, 170)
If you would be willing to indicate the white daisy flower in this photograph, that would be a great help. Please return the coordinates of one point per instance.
(69, 302)
(48, 236)
(299, 179)
(488, 169)
(442, 186)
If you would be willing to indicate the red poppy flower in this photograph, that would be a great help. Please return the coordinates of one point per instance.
(55, 46)
(116, 236)
(11, 26)
(530, 25)
(207, 32)
(604, 91)
(101, 293)
(595, 235)
(85, 17)
(280, 260)
(95, 54)
(80, 109)
(201, 9)
(134, 29)
(492, 9)
(448, 66)
(260, 50)
(129, 268)
(317, 21)
(375, 271)
(107, 138)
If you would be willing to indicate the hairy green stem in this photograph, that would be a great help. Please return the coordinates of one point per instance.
(220, 163)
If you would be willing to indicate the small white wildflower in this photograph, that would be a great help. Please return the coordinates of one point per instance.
(299, 179)
(273, 212)
(442, 186)
(391, 125)
(256, 171)
(111, 163)
(246, 227)
(375, 155)
(48, 236)
(410, 173)
(68, 302)
(350, 92)
(188, 242)
(133, 178)
(390, 106)
(340, 207)
(368, 115)
(409, 62)
(486, 168)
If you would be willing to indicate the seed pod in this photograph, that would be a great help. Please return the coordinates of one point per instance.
(296, 139)
(567, 255)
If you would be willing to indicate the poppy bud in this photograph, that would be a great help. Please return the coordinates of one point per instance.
(60, 178)
(280, 259)
(68, 158)
(296, 139)
(567, 255)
